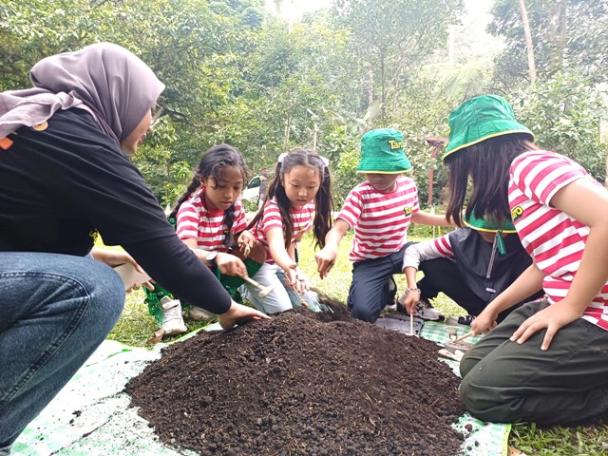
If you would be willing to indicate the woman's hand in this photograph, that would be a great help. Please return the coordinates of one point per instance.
(484, 322)
(553, 318)
(230, 265)
(246, 242)
(239, 314)
(409, 300)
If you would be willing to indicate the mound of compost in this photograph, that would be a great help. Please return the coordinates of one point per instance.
(295, 385)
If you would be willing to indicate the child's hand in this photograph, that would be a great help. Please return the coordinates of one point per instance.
(291, 276)
(483, 322)
(301, 284)
(326, 259)
(409, 300)
(554, 317)
(230, 265)
(245, 242)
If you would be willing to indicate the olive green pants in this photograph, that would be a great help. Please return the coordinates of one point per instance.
(504, 381)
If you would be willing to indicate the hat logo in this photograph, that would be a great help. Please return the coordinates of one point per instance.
(517, 212)
(394, 144)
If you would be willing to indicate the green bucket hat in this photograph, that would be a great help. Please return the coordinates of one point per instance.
(488, 226)
(491, 226)
(480, 118)
(382, 152)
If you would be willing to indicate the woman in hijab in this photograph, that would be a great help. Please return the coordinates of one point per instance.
(65, 177)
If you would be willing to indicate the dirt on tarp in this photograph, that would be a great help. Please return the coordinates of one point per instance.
(294, 385)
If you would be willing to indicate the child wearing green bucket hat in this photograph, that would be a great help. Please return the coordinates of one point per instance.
(380, 211)
(547, 362)
(471, 265)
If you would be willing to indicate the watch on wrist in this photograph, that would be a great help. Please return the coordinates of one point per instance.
(211, 258)
(413, 289)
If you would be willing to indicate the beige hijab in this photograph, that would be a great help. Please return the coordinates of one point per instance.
(106, 80)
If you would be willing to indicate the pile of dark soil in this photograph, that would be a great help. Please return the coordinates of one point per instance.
(294, 385)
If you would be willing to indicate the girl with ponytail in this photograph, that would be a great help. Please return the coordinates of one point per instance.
(298, 199)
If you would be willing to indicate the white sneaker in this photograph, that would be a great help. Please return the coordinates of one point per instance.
(198, 313)
(173, 322)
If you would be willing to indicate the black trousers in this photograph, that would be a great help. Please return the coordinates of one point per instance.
(504, 381)
(443, 275)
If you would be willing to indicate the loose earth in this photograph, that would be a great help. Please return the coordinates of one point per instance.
(299, 385)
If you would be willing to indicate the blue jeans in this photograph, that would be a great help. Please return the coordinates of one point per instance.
(370, 289)
(54, 311)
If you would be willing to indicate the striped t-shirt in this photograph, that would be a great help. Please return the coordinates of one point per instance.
(195, 221)
(302, 219)
(552, 238)
(380, 220)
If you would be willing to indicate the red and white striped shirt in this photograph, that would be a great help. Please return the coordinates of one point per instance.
(302, 220)
(380, 220)
(195, 221)
(552, 238)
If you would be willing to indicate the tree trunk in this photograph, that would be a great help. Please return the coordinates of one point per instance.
(557, 57)
(286, 133)
(528, 37)
(382, 82)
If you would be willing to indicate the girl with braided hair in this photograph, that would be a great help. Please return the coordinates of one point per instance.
(210, 219)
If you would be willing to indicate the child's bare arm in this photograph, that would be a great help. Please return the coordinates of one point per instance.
(529, 282)
(424, 218)
(276, 246)
(588, 203)
(326, 257)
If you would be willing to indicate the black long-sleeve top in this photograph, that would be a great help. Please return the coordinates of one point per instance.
(61, 186)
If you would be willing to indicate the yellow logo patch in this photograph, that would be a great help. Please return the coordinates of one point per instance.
(408, 211)
(517, 212)
(94, 234)
(395, 144)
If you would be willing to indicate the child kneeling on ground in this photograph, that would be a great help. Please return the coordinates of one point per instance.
(380, 211)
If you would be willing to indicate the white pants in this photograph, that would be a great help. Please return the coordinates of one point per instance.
(282, 297)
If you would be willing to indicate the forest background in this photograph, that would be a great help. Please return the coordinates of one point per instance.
(238, 72)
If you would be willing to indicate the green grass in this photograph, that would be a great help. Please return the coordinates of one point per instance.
(136, 326)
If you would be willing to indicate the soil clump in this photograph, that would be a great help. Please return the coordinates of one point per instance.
(296, 385)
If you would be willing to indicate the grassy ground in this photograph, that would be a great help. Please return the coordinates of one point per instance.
(136, 326)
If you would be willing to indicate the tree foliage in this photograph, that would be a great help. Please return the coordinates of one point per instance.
(236, 74)
(566, 34)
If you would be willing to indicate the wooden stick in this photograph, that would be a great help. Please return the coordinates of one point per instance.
(263, 290)
(463, 337)
(411, 323)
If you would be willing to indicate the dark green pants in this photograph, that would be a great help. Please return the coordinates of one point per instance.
(505, 382)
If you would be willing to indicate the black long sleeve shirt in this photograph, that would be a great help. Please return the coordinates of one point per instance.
(61, 186)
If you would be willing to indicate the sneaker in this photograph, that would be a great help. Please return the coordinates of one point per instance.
(173, 322)
(426, 311)
(198, 314)
(391, 305)
(466, 320)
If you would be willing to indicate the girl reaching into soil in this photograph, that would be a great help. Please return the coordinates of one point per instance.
(380, 211)
(210, 219)
(298, 198)
(547, 362)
